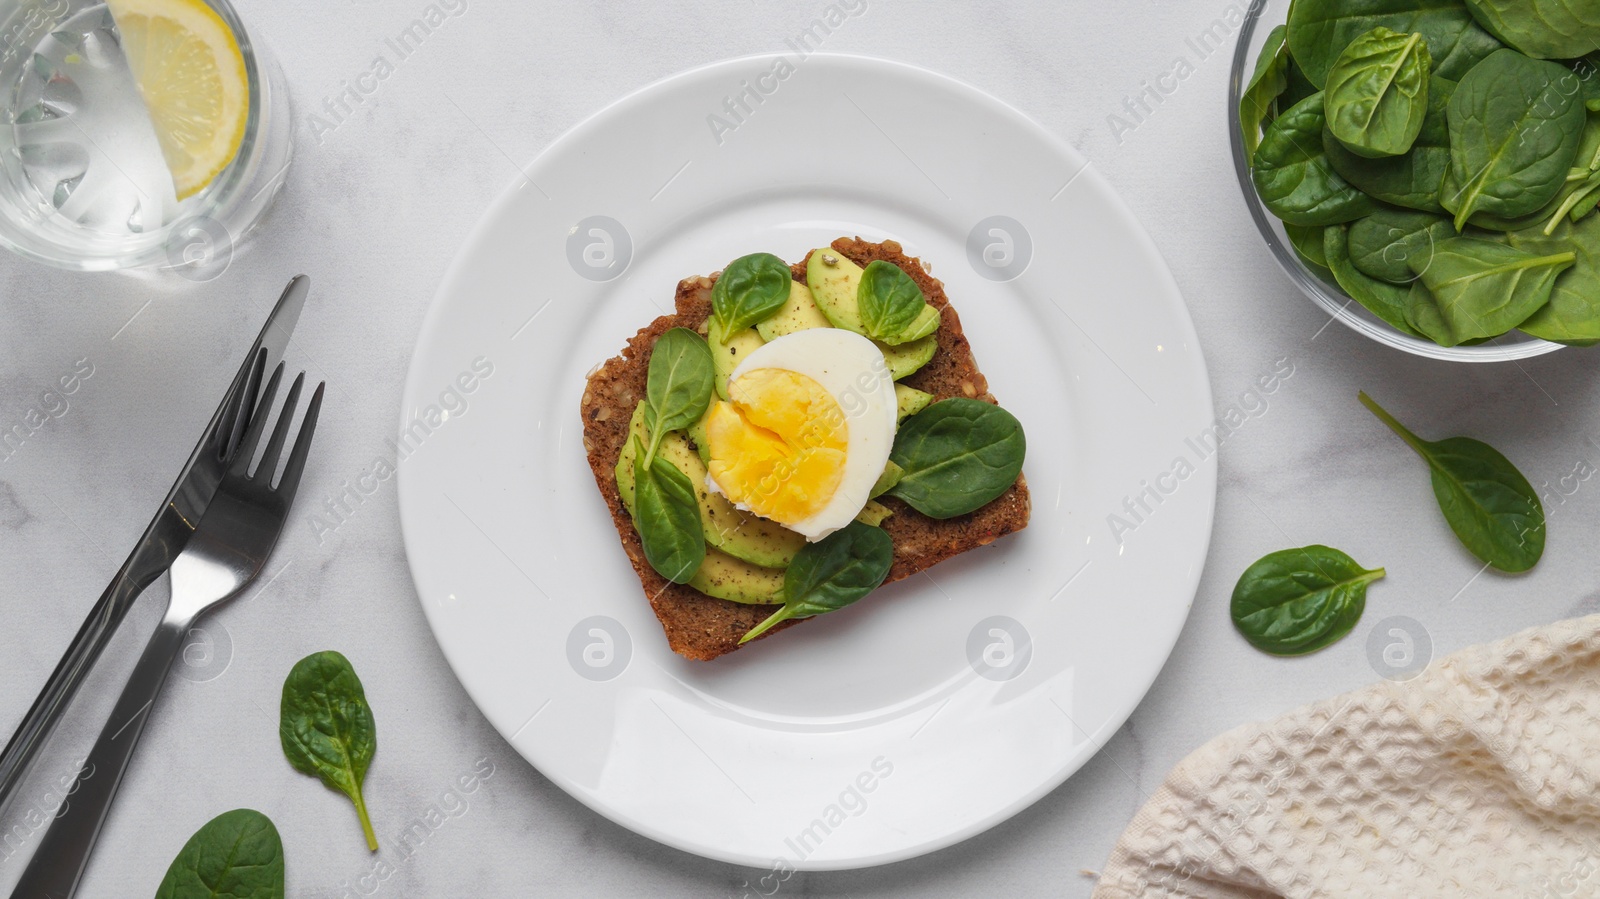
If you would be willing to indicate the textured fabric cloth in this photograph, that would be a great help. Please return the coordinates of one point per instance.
(1475, 778)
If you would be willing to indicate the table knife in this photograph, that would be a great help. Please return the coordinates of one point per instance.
(163, 540)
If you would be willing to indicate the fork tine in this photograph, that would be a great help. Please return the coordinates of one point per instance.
(258, 423)
(269, 458)
(302, 446)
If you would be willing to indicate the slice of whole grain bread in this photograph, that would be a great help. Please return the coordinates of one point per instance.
(703, 627)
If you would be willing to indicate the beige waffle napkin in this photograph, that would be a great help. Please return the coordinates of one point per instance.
(1475, 778)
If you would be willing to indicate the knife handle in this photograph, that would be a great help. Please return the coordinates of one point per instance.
(57, 864)
(69, 674)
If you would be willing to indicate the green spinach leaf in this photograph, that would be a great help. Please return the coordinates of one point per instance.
(958, 455)
(1378, 93)
(1307, 242)
(236, 855)
(1485, 288)
(1565, 204)
(889, 301)
(667, 517)
(1319, 30)
(679, 385)
(1381, 298)
(1571, 200)
(1583, 201)
(1424, 315)
(1300, 88)
(1270, 79)
(1296, 601)
(1544, 29)
(1292, 174)
(1514, 133)
(1386, 244)
(832, 573)
(1573, 314)
(326, 727)
(1588, 71)
(1582, 191)
(749, 290)
(1412, 179)
(1492, 508)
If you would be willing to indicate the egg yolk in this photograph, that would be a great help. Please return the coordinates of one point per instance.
(777, 447)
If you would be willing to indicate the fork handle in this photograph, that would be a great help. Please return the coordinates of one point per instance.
(69, 674)
(56, 866)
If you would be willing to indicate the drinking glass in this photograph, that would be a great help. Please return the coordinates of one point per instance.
(83, 183)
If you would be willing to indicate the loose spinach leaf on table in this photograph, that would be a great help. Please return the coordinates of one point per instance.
(1296, 601)
(1543, 29)
(1573, 314)
(1319, 30)
(889, 300)
(326, 727)
(679, 385)
(236, 855)
(667, 517)
(832, 573)
(1485, 288)
(1514, 134)
(957, 455)
(1381, 298)
(1411, 179)
(749, 290)
(1386, 244)
(1270, 79)
(1292, 174)
(1492, 508)
(1378, 93)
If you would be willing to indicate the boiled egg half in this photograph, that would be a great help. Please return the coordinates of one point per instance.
(806, 430)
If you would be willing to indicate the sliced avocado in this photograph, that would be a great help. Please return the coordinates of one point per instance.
(926, 322)
(727, 351)
(697, 433)
(834, 282)
(910, 401)
(908, 357)
(892, 472)
(742, 535)
(801, 314)
(873, 513)
(836, 288)
(720, 575)
(725, 577)
(625, 476)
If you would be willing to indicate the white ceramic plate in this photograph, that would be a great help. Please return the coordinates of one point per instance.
(938, 706)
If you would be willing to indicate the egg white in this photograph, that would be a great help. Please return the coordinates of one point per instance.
(852, 370)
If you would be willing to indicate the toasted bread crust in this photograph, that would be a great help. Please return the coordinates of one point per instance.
(703, 627)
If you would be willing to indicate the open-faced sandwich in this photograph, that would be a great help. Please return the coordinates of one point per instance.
(793, 437)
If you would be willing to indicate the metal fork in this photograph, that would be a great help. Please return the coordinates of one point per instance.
(227, 551)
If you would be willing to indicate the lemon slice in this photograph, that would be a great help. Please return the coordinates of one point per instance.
(192, 78)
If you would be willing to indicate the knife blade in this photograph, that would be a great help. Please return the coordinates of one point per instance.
(162, 541)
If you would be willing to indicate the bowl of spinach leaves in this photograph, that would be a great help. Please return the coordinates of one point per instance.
(1428, 170)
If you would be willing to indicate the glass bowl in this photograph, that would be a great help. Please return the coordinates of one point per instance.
(1260, 18)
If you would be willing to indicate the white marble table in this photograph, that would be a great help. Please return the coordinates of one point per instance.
(377, 203)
